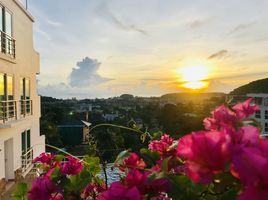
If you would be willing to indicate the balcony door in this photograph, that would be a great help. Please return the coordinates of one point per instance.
(25, 141)
(25, 96)
(7, 105)
(7, 43)
(9, 160)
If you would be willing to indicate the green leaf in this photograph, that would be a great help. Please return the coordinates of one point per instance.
(77, 183)
(149, 157)
(92, 164)
(59, 157)
(55, 175)
(121, 156)
(20, 192)
(184, 188)
(164, 166)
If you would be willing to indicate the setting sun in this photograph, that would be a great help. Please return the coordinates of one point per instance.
(193, 76)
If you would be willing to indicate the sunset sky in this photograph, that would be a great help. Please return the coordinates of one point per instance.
(102, 48)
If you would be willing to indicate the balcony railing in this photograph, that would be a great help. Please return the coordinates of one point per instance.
(7, 45)
(8, 110)
(26, 107)
(26, 160)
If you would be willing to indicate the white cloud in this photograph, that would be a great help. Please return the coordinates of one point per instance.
(86, 73)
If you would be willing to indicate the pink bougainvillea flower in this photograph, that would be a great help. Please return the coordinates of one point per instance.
(72, 167)
(50, 170)
(250, 163)
(160, 197)
(206, 154)
(166, 146)
(253, 193)
(245, 109)
(71, 198)
(221, 117)
(161, 185)
(42, 189)
(133, 161)
(135, 178)
(92, 190)
(56, 196)
(119, 191)
(247, 135)
(45, 158)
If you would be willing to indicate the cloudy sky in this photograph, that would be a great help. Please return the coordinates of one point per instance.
(101, 48)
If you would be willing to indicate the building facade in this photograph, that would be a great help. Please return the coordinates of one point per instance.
(262, 114)
(261, 99)
(20, 138)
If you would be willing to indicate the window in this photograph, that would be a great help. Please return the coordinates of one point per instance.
(25, 96)
(266, 101)
(8, 23)
(258, 100)
(7, 42)
(266, 114)
(7, 105)
(258, 114)
(266, 127)
(25, 141)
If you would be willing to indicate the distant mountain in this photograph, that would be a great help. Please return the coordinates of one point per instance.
(193, 97)
(258, 86)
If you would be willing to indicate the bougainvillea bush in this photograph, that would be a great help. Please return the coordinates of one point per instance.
(227, 160)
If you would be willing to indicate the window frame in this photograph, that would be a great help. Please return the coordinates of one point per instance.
(258, 114)
(25, 141)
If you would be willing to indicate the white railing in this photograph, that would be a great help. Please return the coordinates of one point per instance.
(8, 110)
(26, 161)
(26, 107)
(7, 44)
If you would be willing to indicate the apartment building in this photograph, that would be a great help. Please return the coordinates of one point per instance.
(262, 114)
(20, 138)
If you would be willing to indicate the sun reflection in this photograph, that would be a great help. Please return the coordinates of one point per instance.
(193, 77)
(195, 84)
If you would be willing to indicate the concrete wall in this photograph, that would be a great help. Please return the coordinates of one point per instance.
(26, 64)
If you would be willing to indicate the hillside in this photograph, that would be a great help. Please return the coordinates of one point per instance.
(193, 97)
(258, 86)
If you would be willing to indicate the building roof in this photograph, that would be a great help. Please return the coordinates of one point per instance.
(21, 6)
(257, 95)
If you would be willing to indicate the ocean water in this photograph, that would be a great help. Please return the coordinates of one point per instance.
(113, 173)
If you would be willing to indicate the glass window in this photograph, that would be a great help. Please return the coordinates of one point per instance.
(27, 88)
(28, 139)
(1, 18)
(258, 100)
(8, 23)
(266, 127)
(266, 101)
(258, 114)
(2, 87)
(25, 141)
(25, 96)
(266, 114)
(9, 85)
(22, 88)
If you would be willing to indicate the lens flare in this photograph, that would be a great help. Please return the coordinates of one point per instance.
(193, 77)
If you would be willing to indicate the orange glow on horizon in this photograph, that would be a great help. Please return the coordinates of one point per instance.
(195, 85)
(193, 77)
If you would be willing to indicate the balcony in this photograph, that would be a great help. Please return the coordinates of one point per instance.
(7, 45)
(26, 107)
(26, 161)
(8, 111)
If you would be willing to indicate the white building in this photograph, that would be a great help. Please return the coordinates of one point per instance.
(262, 115)
(20, 138)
